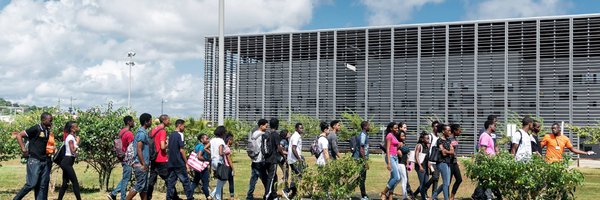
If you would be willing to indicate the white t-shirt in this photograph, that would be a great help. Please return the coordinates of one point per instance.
(294, 140)
(67, 145)
(257, 136)
(214, 151)
(433, 138)
(323, 143)
(524, 150)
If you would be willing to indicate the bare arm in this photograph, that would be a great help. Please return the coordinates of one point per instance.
(72, 146)
(326, 154)
(445, 151)
(577, 151)
(513, 150)
(140, 155)
(20, 140)
(295, 152)
(417, 152)
(207, 149)
(182, 151)
(163, 145)
(387, 147)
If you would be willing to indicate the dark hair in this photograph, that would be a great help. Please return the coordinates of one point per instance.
(127, 119)
(179, 122)
(492, 117)
(556, 123)
(283, 134)
(274, 123)
(454, 127)
(400, 124)
(390, 126)
(221, 132)
(442, 126)
(526, 121)
(422, 137)
(262, 122)
(334, 122)
(44, 116)
(68, 126)
(144, 118)
(364, 124)
(228, 136)
(297, 126)
(488, 123)
(324, 126)
(163, 118)
(434, 123)
(201, 136)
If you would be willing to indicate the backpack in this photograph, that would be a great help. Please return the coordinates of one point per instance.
(129, 157)
(314, 147)
(152, 152)
(118, 147)
(267, 145)
(252, 147)
(354, 144)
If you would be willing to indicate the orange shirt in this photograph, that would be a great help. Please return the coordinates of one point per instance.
(555, 146)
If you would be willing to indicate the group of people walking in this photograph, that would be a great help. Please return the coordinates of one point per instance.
(151, 153)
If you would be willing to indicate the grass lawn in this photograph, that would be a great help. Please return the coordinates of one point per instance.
(12, 178)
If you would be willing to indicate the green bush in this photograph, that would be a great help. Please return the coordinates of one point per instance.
(336, 180)
(534, 179)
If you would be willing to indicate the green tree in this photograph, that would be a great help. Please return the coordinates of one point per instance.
(591, 134)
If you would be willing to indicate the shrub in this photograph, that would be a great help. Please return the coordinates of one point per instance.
(534, 179)
(336, 180)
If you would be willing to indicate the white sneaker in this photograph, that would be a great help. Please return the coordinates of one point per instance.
(365, 198)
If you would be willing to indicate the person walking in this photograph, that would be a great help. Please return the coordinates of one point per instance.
(217, 149)
(446, 149)
(203, 154)
(38, 162)
(454, 168)
(521, 141)
(228, 144)
(556, 142)
(159, 166)
(536, 147)
(142, 158)
(487, 146)
(270, 152)
(403, 160)
(71, 146)
(126, 137)
(332, 139)
(421, 167)
(323, 145)
(391, 159)
(363, 153)
(283, 165)
(295, 160)
(177, 162)
(258, 162)
(435, 173)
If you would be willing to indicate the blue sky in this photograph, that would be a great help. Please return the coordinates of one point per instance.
(77, 48)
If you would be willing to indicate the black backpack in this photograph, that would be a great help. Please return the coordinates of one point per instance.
(267, 146)
(152, 146)
(354, 145)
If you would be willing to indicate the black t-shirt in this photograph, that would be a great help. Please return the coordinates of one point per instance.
(274, 156)
(535, 146)
(446, 144)
(38, 139)
(175, 144)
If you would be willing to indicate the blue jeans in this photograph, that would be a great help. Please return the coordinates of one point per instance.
(37, 179)
(445, 172)
(218, 192)
(204, 177)
(423, 177)
(181, 174)
(122, 187)
(258, 171)
(394, 174)
(141, 180)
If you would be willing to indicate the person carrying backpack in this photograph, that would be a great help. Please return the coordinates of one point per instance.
(322, 145)
(258, 161)
(158, 154)
(142, 158)
(271, 154)
(125, 136)
(361, 151)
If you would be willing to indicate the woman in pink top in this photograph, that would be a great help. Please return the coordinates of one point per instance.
(391, 146)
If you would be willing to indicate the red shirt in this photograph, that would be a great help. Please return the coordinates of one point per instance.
(126, 138)
(160, 134)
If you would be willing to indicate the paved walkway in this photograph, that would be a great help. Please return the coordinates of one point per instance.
(588, 163)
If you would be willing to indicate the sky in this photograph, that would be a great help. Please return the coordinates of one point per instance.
(53, 50)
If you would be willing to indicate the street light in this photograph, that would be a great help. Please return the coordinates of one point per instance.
(71, 109)
(130, 63)
(162, 102)
(221, 99)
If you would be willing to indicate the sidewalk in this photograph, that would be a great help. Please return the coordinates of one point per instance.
(588, 163)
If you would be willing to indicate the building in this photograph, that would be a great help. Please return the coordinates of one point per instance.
(458, 71)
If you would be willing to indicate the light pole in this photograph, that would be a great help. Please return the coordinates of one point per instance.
(162, 103)
(221, 101)
(71, 109)
(130, 63)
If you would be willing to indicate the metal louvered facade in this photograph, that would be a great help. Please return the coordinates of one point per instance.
(460, 71)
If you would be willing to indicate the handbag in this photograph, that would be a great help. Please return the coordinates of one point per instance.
(58, 157)
(222, 172)
(196, 164)
(436, 154)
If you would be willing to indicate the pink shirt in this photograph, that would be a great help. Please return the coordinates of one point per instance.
(486, 140)
(393, 145)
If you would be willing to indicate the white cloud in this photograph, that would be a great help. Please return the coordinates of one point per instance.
(386, 12)
(494, 9)
(59, 49)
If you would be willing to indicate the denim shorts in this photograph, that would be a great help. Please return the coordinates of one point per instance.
(141, 179)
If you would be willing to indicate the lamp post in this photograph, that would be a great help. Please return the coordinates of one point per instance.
(130, 63)
(221, 101)
(71, 109)
(162, 103)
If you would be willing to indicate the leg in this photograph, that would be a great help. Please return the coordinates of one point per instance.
(296, 176)
(205, 181)
(423, 182)
(434, 179)
(163, 173)
(363, 178)
(172, 179)
(73, 178)
(253, 178)
(195, 180)
(231, 184)
(32, 178)
(152, 179)
(445, 172)
(127, 171)
(141, 183)
(65, 181)
(185, 180)
(45, 180)
(456, 173)
(270, 192)
(394, 175)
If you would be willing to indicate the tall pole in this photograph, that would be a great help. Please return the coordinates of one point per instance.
(221, 101)
(130, 63)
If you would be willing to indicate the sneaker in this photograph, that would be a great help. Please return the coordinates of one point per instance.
(365, 198)
(111, 196)
(285, 194)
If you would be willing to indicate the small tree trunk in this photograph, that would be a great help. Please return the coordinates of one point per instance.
(107, 178)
